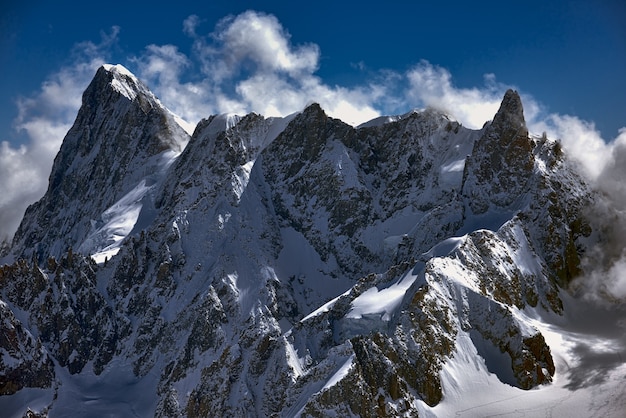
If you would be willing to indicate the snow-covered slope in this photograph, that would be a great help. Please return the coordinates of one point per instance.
(298, 266)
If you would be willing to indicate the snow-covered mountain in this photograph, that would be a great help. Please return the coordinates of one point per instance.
(297, 266)
(118, 149)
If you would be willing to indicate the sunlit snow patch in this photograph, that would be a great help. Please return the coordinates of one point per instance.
(119, 85)
(340, 374)
(381, 302)
(118, 220)
(128, 213)
(240, 178)
(451, 173)
(325, 307)
(445, 247)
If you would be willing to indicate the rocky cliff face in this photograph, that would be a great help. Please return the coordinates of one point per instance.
(285, 266)
(24, 362)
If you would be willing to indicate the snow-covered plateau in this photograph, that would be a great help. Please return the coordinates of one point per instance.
(299, 266)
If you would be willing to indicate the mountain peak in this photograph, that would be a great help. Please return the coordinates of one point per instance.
(502, 159)
(118, 79)
(117, 69)
(121, 142)
(511, 112)
(314, 110)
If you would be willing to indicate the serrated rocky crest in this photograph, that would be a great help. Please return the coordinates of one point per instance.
(287, 266)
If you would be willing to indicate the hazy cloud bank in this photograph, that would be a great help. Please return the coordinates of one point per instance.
(605, 264)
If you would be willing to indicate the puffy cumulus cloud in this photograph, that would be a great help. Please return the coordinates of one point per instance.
(43, 120)
(271, 95)
(261, 39)
(162, 68)
(247, 64)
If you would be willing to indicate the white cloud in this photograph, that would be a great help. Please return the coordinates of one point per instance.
(272, 95)
(248, 64)
(162, 68)
(580, 139)
(615, 281)
(261, 39)
(611, 178)
(432, 86)
(190, 24)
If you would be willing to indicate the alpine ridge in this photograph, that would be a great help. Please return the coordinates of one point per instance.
(289, 266)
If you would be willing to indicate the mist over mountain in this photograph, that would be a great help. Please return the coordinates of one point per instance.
(300, 266)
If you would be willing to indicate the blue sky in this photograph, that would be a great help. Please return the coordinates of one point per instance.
(567, 59)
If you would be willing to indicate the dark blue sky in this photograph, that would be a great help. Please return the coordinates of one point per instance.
(569, 55)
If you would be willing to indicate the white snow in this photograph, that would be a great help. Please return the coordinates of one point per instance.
(444, 247)
(292, 358)
(115, 390)
(221, 123)
(187, 126)
(132, 212)
(470, 390)
(14, 406)
(586, 344)
(381, 120)
(523, 257)
(344, 166)
(123, 88)
(118, 220)
(454, 166)
(381, 302)
(120, 85)
(240, 178)
(325, 307)
(298, 261)
(120, 69)
(340, 374)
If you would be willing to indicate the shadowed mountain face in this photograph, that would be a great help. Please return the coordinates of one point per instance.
(119, 139)
(502, 161)
(284, 266)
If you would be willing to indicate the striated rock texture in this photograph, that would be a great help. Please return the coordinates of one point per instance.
(292, 266)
